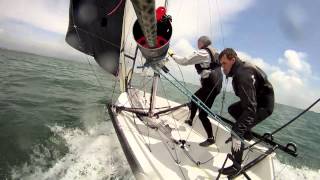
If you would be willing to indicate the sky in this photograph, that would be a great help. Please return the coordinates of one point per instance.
(281, 37)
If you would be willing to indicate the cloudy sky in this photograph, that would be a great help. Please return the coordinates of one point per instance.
(282, 37)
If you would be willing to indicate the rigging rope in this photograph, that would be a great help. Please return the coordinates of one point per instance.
(205, 102)
(144, 122)
(113, 91)
(145, 142)
(115, 8)
(177, 159)
(221, 110)
(86, 56)
(219, 19)
(175, 123)
(100, 84)
(197, 17)
(124, 44)
(210, 20)
(166, 4)
(176, 126)
(224, 96)
(181, 74)
(292, 120)
(178, 14)
(199, 103)
(98, 37)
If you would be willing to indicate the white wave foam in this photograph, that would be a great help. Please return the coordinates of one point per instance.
(287, 172)
(93, 154)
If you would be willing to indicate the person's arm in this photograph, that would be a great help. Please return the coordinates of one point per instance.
(195, 58)
(248, 100)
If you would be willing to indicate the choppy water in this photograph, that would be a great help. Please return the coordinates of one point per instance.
(53, 124)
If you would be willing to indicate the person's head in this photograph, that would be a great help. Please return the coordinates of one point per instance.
(227, 58)
(203, 42)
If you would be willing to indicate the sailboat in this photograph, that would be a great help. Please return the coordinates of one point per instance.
(151, 129)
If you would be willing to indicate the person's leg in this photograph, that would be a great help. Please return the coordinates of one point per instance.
(237, 155)
(237, 160)
(203, 116)
(262, 113)
(193, 108)
(265, 109)
(235, 110)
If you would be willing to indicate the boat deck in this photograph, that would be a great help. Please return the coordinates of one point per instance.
(151, 147)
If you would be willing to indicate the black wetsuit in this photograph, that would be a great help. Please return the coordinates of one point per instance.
(256, 103)
(256, 95)
(210, 88)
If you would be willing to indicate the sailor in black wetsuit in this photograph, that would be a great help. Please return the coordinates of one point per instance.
(256, 103)
(207, 65)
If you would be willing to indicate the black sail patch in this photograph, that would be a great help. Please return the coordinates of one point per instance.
(95, 28)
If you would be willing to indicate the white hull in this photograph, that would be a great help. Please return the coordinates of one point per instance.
(152, 154)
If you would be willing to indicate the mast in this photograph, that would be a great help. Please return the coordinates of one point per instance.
(153, 96)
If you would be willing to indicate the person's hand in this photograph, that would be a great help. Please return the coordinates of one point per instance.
(236, 144)
(170, 52)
